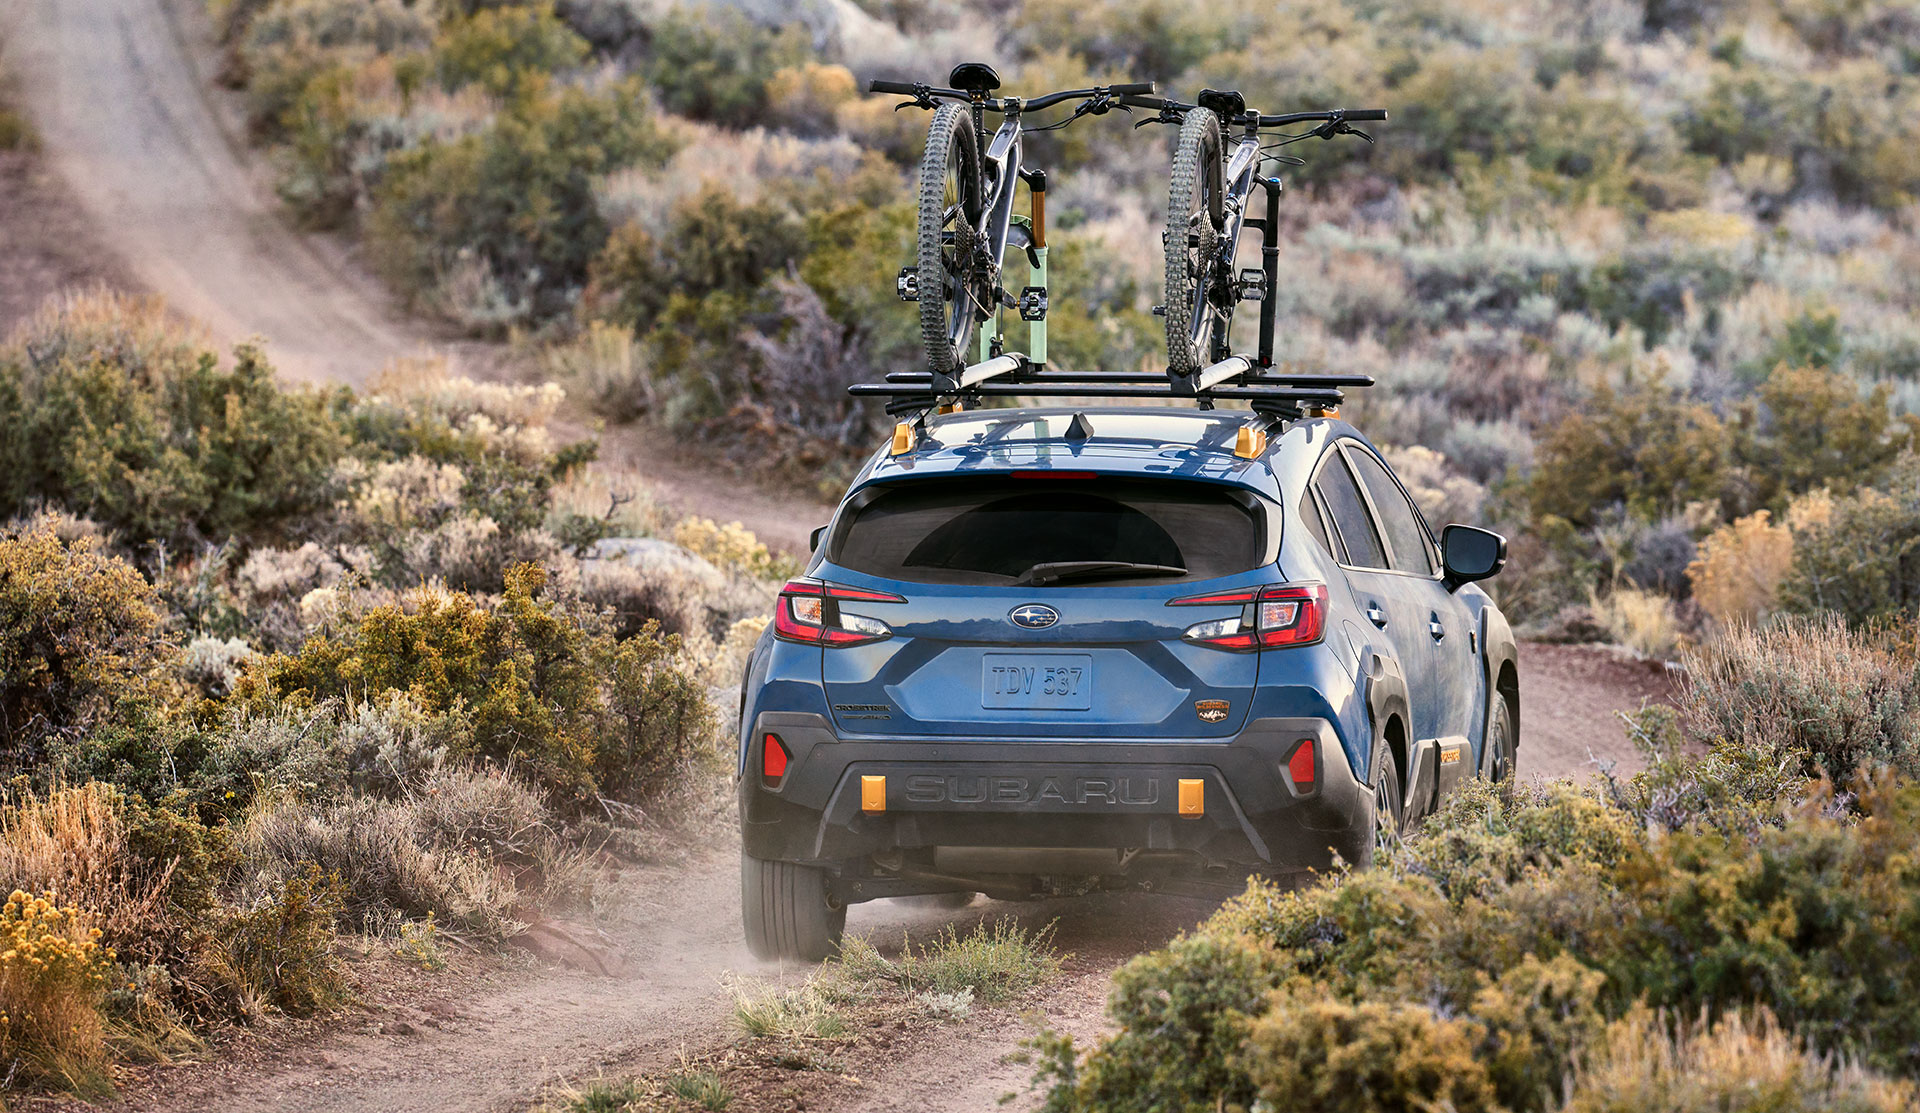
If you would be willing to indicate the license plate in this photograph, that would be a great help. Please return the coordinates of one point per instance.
(1060, 681)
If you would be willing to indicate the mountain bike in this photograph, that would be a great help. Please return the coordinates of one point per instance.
(966, 218)
(1208, 195)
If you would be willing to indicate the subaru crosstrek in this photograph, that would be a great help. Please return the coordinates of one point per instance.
(1052, 650)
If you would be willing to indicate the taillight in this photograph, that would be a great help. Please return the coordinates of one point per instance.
(809, 612)
(1269, 618)
(773, 758)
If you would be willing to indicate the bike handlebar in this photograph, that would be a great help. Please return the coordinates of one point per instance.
(1161, 104)
(997, 104)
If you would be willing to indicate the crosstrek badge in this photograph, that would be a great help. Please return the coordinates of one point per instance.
(1211, 710)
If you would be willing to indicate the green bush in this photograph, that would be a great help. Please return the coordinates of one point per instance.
(78, 634)
(503, 49)
(1863, 562)
(120, 415)
(1645, 447)
(278, 952)
(713, 63)
(511, 206)
(546, 692)
(1514, 942)
(714, 243)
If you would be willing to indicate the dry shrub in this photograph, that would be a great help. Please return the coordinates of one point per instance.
(1643, 621)
(635, 595)
(385, 858)
(726, 665)
(1736, 576)
(1443, 495)
(75, 842)
(1738, 1065)
(805, 97)
(1811, 685)
(608, 367)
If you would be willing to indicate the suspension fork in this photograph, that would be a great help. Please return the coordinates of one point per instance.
(1270, 263)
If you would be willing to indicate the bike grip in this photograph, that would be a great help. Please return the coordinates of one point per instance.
(1135, 88)
(1366, 114)
(1154, 103)
(878, 86)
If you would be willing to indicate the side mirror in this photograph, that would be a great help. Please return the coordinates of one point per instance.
(1471, 554)
(813, 539)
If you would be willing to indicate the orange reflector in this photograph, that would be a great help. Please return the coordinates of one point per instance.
(1193, 797)
(773, 757)
(1300, 765)
(873, 794)
(902, 439)
(1250, 442)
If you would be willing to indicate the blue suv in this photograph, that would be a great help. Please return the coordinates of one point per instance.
(1049, 650)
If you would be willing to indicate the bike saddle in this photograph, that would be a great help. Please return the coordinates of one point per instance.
(1224, 102)
(974, 77)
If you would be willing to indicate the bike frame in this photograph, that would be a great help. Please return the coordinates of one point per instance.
(999, 227)
(1237, 184)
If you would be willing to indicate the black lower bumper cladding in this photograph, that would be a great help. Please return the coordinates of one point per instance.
(980, 801)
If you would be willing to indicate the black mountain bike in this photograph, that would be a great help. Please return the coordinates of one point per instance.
(1206, 212)
(967, 220)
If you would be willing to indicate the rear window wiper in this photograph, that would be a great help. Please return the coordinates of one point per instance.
(1053, 571)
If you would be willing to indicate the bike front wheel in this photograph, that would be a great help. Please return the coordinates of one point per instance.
(1195, 221)
(950, 252)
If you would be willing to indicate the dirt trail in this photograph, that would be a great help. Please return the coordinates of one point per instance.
(137, 138)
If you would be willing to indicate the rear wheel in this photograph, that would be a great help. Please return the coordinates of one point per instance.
(1195, 217)
(788, 910)
(1499, 753)
(951, 283)
(1389, 805)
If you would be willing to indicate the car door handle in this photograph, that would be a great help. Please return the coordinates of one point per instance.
(1377, 616)
(1438, 631)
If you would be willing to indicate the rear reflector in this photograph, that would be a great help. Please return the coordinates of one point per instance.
(1193, 797)
(1300, 766)
(773, 757)
(873, 794)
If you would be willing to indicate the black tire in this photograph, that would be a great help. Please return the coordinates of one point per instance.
(1500, 754)
(1195, 217)
(951, 199)
(788, 911)
(1389, 803)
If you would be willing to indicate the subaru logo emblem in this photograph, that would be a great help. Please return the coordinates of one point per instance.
(1034, 616)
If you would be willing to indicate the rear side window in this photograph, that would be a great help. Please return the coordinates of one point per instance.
(1310, 514)
(1349, 513)
(1397, 515)
(995, 532)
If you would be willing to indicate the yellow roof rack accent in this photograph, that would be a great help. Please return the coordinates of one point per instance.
(1250, 442)
(903, 439)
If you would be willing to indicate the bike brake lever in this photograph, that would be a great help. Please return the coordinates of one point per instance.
(1361, 134)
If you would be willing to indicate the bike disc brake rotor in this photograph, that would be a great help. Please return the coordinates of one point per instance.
(1203, 241)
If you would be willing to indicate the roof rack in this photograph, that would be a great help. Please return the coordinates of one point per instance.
(1235, 378)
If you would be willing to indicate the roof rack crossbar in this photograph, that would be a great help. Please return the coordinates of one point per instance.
(1099, 390)
(1148, 378)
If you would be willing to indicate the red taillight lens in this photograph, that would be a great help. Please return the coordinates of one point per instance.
(1292, 614)
(1300, 766)
(809, 613)
(1269, 618)
(773, 757)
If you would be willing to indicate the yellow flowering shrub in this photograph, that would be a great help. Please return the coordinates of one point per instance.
(52, 977)
(1737, 575)
(732, 546)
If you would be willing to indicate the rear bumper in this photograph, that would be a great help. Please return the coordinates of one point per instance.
(1040, 794)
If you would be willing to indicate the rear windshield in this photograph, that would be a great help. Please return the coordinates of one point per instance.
(996, 532)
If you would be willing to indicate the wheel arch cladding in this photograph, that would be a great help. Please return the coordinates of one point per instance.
(1387, 700)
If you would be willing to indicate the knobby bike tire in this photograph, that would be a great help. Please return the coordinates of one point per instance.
(946, 312)
(1196, 163)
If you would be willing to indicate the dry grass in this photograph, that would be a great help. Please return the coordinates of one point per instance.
(1740, 1065)
(73, 841)
(1643, 621)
